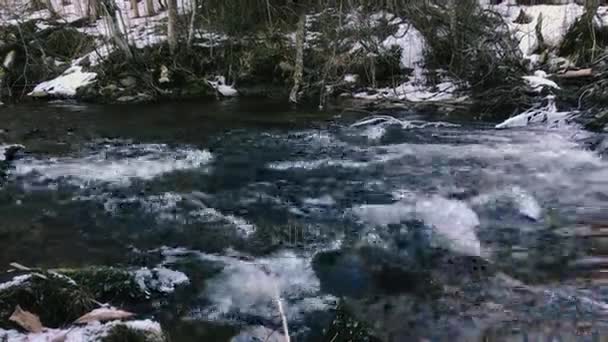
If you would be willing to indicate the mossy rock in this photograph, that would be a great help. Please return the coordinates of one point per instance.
(68, 43)
(108, 284)
(599, 122)
(56, 300)
(122, 333)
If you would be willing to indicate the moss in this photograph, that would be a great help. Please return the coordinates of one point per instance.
(583, 43)
(122, 333)
(108, 284)
(55, 300)
(68, 43)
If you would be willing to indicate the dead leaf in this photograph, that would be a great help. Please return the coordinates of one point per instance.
(26, 320)
(104, 315)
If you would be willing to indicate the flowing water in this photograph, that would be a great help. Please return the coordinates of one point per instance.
(426, 228)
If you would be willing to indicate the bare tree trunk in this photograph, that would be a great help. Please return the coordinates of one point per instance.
(298, 72)
(135, 8)
(193, 15)
(49, 6)
(591, 7)
(112, 24)
(92, 10)
(538, 29)
(9, 60)
(172, 25)
(150, 8)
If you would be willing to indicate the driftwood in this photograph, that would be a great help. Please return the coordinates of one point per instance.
(576, 73)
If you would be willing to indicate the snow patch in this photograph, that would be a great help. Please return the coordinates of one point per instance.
(16, 281)
(65, 85)
(219, 84)
(409, 91)
(91, 332)
(555, 22)
(539, 81)
(412, 45)
(159, 279)
(546, 115)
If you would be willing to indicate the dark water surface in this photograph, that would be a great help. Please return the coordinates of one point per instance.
(426, 229)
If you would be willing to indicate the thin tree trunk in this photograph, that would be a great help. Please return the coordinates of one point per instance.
(172, 25)
(135, 8)
(591, 7)
(92, 10)
(115, 33)
(298, 73)
(6, 66)
(150, 8)
(193, 15)
(49, 6)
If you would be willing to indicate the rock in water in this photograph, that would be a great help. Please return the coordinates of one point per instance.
(259, 334)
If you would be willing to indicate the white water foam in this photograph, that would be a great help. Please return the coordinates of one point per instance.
(375, 126)
(115, 165)
(175, 207)
(453, 222)
(523, 201)
(251, 287)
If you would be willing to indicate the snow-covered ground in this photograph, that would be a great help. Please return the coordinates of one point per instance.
(556, 19)
(150, 30)
(65, 85)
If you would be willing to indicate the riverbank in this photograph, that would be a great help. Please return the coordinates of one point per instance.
(378, 59)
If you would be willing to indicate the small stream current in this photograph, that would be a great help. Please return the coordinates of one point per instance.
(429, 229)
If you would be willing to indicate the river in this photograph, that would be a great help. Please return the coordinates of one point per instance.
(430, 229)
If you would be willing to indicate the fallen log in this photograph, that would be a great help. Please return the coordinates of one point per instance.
(576, 73)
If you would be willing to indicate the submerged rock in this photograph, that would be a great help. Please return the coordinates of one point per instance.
(345, 327)
(259, 334)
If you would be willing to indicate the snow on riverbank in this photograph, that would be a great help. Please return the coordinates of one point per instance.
(65, 85)
(159, 279)
(541, 115)
(91, 332)
(410, 91)
(556, 19)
